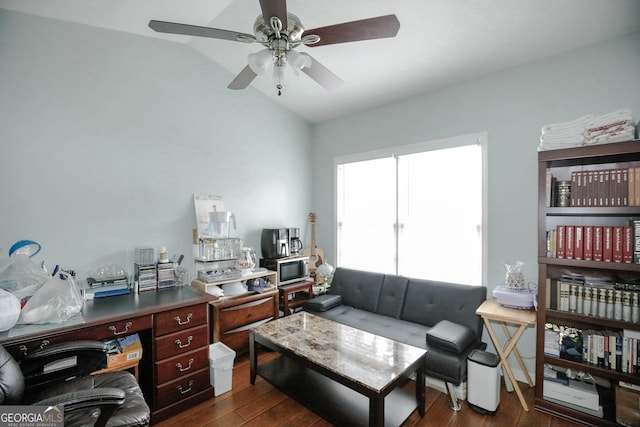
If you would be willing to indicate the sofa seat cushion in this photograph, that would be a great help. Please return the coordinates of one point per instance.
(451, 336)
(388, 327)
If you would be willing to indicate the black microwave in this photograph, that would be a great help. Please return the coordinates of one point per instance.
(290, 270)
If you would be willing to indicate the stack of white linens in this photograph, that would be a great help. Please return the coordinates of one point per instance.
(616, 126)
(565, 134)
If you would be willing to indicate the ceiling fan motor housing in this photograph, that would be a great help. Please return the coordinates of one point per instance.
(264, 33)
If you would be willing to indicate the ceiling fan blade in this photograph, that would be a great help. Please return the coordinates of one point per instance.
(195, 30)
(321, 74)
(364, 29)
(243, 79)
(274, 8)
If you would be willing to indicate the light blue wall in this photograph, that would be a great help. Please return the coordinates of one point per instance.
(105, 136)
(512, 106)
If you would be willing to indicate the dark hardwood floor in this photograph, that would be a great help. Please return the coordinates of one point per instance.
(264, 406)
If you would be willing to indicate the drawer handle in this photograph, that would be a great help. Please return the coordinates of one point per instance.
(179, 343)
(181, 369)
(113, 329)
(179, 322)
(187, 390)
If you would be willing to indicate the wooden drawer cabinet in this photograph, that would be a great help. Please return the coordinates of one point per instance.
(173, 325)
(181, 367)
(245, 313)
(233, 317)
(182, 388)
(112, 329)
(238, 339)
(180, 319)
(182, 342)
(183, 364)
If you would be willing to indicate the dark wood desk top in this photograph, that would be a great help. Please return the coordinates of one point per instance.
(101, 310)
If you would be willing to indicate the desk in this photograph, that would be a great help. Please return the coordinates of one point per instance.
(490, 310)
(173, 325)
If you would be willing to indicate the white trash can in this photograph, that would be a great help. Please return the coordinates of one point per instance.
(221, 373)
(483, 381)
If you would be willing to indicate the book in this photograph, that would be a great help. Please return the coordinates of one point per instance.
(111, 293)
(631, 187)
(552, 343)
(602, 195)
(560, 240)
(578, 239)
(607, 243)
(627, 245)
(569, 241)
(550, 184)
(591, 180)
(564, 288)
(617, 244)
(597, 243)
(588, 242)
(636, 192)
(635, 224)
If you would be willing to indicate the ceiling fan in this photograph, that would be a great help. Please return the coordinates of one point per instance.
(281, 32)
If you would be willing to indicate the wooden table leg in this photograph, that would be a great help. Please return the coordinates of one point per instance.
(376, 411)
(253, 358)
(504, 353)
(420, 389)
(516, 352)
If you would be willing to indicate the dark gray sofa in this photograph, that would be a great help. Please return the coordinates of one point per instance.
(428, 314)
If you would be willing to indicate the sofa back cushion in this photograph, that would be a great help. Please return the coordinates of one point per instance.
(359, 289)
(392, 295)
(427, 302)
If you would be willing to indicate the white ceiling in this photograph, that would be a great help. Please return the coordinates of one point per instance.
(440, 42)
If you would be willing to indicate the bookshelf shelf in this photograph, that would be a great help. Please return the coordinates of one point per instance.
(562, 164)
(597, 265)
(594, 211)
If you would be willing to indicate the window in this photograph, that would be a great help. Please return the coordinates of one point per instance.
(414, 210)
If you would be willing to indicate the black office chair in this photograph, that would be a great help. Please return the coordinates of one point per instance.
(60, 375)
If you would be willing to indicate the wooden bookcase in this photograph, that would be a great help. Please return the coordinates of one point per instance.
(561, 164)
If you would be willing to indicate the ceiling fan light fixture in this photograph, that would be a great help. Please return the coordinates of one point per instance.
(258, 62)
(297, 61)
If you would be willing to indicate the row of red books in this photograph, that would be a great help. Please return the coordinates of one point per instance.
(606, 187)
(594, 243)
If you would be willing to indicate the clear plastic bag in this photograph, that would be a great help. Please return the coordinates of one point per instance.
(9, 310)
(56, 301)
(21, 276)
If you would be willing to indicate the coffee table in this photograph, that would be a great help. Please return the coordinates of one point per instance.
(344, 374)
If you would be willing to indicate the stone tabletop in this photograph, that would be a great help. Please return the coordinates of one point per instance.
(368, 359)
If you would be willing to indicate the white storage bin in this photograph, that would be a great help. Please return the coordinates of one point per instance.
(221, 367)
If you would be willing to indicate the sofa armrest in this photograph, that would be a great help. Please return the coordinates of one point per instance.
(323, 302)
(451, 336)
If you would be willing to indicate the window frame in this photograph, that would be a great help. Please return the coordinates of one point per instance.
(479, 138)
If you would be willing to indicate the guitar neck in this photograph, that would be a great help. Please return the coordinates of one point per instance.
(313, 238)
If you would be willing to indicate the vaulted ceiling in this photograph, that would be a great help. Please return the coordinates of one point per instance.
(440, 42)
